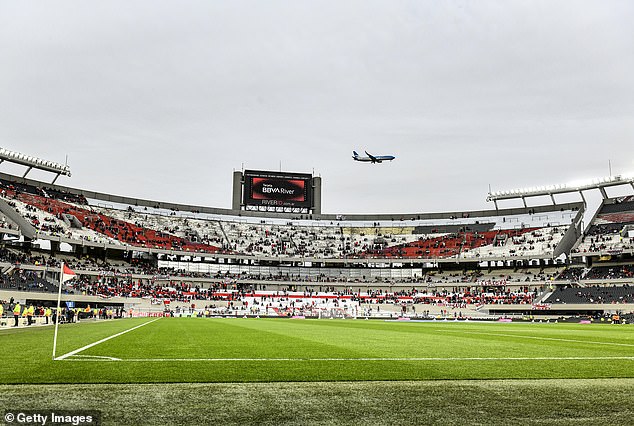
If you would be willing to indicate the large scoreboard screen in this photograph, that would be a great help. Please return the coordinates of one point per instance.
(277, 189)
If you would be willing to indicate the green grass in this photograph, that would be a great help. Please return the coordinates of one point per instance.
(189, 350)
(320, 371)
(496, 402)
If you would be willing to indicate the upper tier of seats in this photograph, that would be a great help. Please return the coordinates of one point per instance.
(612, 230)
(50, 215)
(53, 212)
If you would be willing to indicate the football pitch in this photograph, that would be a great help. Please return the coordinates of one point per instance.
(362, 363)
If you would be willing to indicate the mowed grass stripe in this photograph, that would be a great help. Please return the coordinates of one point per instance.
(590, 332)
(545, 338)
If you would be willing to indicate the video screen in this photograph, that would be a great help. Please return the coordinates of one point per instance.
(277, 189)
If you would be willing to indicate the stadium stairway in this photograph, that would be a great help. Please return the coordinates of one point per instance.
(26, 228)
(542, 297)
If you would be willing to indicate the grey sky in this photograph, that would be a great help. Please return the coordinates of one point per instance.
(163, 99)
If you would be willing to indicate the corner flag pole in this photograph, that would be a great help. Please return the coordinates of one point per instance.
(57, 312)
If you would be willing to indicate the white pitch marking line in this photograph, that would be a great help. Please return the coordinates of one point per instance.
(76, 351)
(541, 338)
(564, 358)
(97, 357)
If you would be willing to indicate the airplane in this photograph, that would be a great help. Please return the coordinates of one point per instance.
(372, 158)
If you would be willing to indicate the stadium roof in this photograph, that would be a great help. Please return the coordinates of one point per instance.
(34, 162)
(552, 190)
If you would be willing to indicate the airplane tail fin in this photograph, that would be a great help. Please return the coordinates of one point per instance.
(355, 153)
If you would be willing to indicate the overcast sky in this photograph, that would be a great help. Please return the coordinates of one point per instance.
(164, 99)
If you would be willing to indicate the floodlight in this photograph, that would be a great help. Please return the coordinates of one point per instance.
(579, 186)
(34, 162)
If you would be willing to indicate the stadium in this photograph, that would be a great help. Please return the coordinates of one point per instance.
(316, 213)
(275, 291)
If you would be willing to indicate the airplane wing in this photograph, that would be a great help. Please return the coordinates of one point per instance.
(372, 157)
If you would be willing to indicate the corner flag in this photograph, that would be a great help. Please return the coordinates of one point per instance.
(67, 274)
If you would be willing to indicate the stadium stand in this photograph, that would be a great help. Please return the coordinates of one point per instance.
(595, 294)
(611, 232)
(167, 230)
(159, 259)
(26, 281)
